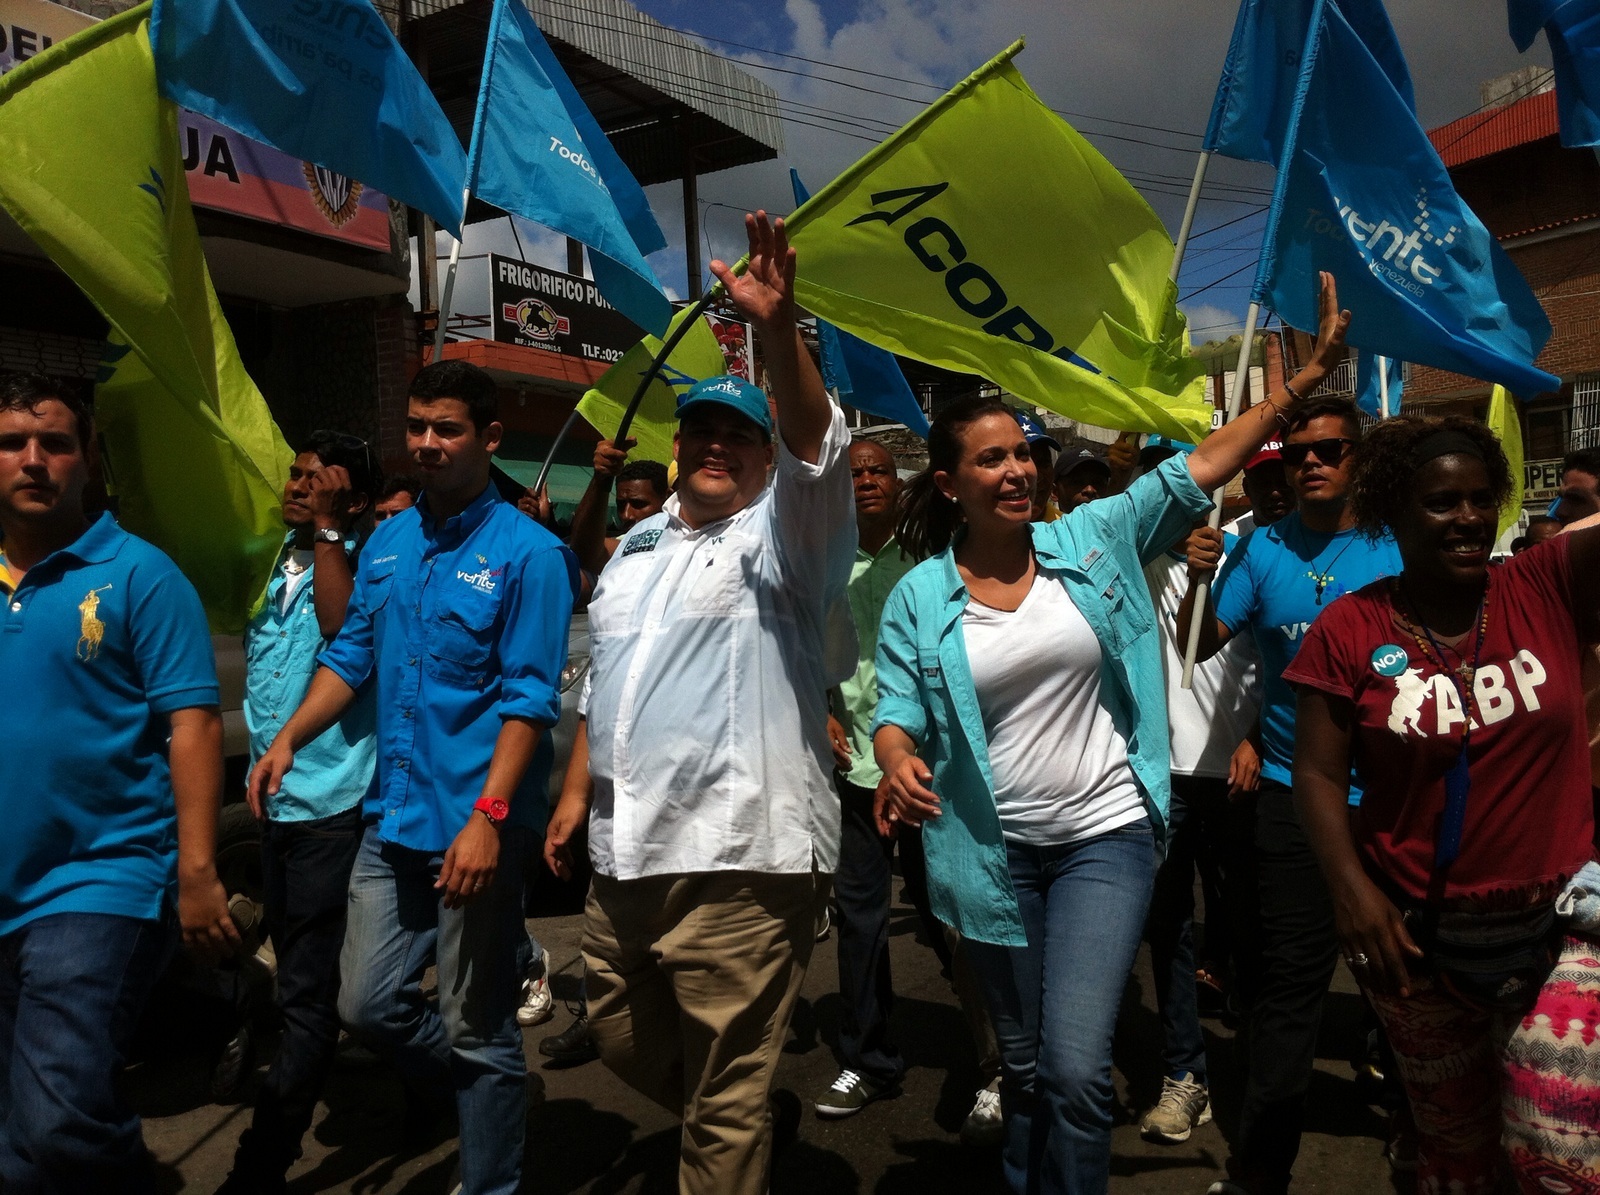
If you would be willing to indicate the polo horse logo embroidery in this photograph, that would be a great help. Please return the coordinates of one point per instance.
(92, 630)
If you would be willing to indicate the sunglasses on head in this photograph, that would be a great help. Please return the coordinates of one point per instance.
(349, 443)
(1330, 452)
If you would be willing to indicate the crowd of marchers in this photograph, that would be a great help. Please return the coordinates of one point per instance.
(802, 665)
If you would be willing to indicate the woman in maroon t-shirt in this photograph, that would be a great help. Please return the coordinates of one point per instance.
(1454, 688)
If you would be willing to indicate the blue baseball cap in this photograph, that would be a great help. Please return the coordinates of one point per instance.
(1033, 431)
(729, 391)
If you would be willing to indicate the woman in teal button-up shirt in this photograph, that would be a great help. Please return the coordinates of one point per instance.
(1022, 660)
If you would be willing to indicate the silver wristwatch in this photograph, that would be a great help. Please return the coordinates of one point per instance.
(328, 535)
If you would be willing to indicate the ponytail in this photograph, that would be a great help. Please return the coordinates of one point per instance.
(928, 519)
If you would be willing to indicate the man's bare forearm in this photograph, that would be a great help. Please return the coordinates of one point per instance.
(197, 769)
(325, 701)
(513, 753)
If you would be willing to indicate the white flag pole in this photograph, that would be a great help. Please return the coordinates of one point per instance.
(1383, 386)
(1182, 244)
(449, 287)
(1241, 377)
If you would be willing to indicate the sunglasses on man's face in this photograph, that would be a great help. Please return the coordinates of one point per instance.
(1330, 452)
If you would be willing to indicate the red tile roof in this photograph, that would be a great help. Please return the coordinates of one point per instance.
(1485, 133)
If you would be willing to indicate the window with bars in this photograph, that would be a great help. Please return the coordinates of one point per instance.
(1585, 427)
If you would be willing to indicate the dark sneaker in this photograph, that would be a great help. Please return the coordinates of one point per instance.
(573, 1046)
(849, 1094)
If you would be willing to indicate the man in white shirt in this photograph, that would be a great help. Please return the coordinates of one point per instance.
(714, 828)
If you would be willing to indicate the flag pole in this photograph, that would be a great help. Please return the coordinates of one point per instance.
(449, 287)
(1383, 386)
(1182, 244)
(1241, 377)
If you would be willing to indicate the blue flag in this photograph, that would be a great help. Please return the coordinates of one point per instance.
(1362, 193)
(625, 190)
(528, 158)
(1573, 31)
(324, 81)
(1527, 17)
(1259, 76)
(862, 374)
(1370, 379)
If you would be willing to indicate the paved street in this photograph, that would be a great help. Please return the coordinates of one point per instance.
(589, 1133)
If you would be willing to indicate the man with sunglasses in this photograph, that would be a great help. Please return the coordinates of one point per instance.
(1275, 584)
(311, 827)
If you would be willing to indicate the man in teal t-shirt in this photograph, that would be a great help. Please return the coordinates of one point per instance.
(311, 827)
(104, 646)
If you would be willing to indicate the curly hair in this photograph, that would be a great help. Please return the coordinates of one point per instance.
(1385, 466)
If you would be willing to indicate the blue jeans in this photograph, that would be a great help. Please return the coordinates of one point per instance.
(72, 987)
(397, 926)
(1054, 1003)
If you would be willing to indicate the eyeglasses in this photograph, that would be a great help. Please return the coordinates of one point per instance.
(1330, 452)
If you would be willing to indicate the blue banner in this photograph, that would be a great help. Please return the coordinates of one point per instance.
(1369, 383)
(625, 190)
(1527, 17)
(320, 80)
(1364, 195)
(1573, 32)
(862, 374)
(528, 158)
(1256, 93)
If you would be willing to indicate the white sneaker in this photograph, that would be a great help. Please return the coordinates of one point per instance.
(537, 1006)
(984, 1128)
(1183, 1105)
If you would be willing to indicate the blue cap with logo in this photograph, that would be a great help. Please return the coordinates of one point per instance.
(1033, 431)
(729, 391)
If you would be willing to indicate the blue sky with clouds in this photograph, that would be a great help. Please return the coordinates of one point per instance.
(1139, 62)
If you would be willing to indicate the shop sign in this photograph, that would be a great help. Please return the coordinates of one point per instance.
(734, 337)
(559, 313)
(227, 171)
(1541, 480)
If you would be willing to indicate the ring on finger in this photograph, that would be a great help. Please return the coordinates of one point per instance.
(1357, 959)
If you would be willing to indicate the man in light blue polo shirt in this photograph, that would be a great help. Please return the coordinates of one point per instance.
(105, 653)
(459, 618)
(311, 828)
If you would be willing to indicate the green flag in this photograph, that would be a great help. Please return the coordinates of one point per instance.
(988, 237)
(1505, 422)
(90, 168)
(698, 355)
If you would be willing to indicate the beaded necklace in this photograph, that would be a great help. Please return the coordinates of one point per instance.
(1464, 676)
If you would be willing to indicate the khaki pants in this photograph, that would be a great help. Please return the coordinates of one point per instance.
(691, 983)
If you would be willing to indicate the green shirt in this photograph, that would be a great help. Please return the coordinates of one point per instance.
(872, 579)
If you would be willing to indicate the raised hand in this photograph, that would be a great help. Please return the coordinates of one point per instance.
(764, 293)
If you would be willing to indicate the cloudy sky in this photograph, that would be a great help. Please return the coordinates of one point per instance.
(1136, 75)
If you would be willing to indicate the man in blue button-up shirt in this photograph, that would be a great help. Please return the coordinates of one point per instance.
(311, 828)
(459, 618)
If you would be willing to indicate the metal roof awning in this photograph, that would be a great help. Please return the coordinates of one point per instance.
(669, 106)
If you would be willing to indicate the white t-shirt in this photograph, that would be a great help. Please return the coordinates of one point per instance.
(301, 560)
(1209, 721)
(1061, 770)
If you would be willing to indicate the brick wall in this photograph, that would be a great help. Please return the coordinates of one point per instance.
(1565, 274)
(69, 358)
(396, 362)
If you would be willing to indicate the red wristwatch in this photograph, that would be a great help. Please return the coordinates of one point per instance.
(495, 809)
